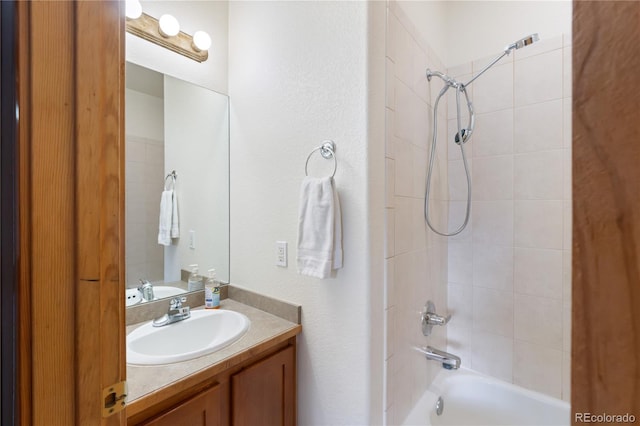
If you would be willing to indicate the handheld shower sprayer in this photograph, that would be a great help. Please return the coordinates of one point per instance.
(523, 42)
(463, 134)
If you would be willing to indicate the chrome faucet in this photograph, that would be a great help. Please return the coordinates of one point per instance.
(449, 361)
(176, 313)
(146, 289)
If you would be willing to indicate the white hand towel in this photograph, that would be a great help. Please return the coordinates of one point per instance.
(319, 228)
(175, 223)
(166, 212)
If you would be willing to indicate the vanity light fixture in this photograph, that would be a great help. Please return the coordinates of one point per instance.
(166, 33)
(133, 9)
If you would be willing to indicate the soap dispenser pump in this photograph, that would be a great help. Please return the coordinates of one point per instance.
(195, 279)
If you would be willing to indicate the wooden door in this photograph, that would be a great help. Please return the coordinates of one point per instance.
(71, 107)
(606, 209)
(264, 393)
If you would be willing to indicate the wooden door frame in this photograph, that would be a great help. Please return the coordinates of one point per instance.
(71, 209)
(606, 209)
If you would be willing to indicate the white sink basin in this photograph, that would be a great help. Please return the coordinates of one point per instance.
(205, 332)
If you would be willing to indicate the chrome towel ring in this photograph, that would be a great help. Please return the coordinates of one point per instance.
(328, 151)
(173, 176)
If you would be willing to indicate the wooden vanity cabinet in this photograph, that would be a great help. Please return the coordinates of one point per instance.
(259, 391)
(264, 393)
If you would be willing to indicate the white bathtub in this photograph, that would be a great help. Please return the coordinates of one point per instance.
(472, 399)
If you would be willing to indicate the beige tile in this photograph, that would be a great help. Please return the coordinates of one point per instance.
(419, 169)
(493, 178)
(390, 182)
(391, 331)
(457, 212)
(493, 266)
(458, 185)
(566, 377)
(567, 174)
(493, 222)
(566, 326)
(538, 368)
(567, 225)
(539, 175)
(460, 264)
(390, 96)
(566, 275)
(154, 154)
(492, 354)
(538, 320)
(493, 133)
(459, 304)
(406, 112)
(566, 123)
(538, 272)
(538, 126)
(538, 224)
(480, 64)
(493, 311)
(420, 83)
(390, 284)
(390, 234)
(134, 150)
(390, 140)
(460, 70)
(566, 72)
(404, 169)
(494, 90)
(538, 78)
(459, 343)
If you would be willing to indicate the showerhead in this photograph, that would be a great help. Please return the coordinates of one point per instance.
(522, 42)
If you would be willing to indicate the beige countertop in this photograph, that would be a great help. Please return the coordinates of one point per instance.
(147, 379)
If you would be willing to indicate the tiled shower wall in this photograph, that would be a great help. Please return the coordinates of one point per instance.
(143, 177)
(509, 271)
(416, 259)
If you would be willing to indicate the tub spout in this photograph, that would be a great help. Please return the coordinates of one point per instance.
(449, 361)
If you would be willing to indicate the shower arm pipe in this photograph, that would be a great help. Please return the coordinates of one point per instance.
(492, 63)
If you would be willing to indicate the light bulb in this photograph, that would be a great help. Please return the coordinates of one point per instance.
(169, 26)
(133, 9)
(201, 41)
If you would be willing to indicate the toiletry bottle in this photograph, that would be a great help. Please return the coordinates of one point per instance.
(212, 291)
(195, 280)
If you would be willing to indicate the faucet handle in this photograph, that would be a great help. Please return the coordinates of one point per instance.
(430, 318)
(176, 302)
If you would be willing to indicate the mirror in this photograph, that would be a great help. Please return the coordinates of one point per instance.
(173, 125)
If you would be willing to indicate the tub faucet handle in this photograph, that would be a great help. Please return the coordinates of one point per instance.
(430, 318)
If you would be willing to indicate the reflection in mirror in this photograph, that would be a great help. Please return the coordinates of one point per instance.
(174, 125)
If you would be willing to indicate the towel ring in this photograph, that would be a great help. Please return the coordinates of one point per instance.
(173, 175)
(328, 151)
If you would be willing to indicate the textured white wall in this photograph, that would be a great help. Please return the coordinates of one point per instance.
(459, 31)
(476, 29)
(210, 16)
(298, 75)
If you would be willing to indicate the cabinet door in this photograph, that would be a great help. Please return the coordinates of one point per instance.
(204, 409)
(264, 393)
